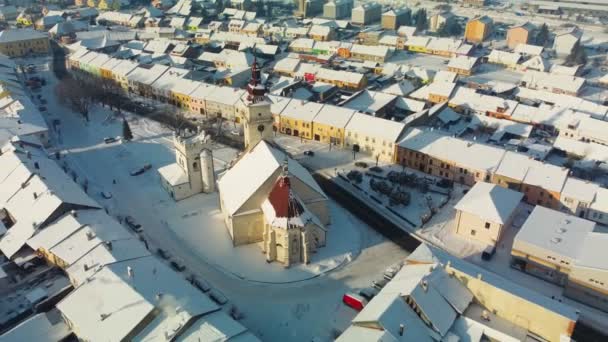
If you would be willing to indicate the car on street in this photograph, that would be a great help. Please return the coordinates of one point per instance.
(199, 283)
(131, 223)
(379, 283)
(178, 266)
(217, 297)
(106, 194)
(163, 253)
(141, 170)
(109, 140)
(309, 153)
(488, 253)
(368, 293)
(354, 301)
(235, 133)
(361, 164)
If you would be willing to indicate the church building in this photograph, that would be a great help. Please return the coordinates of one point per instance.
(267, 197)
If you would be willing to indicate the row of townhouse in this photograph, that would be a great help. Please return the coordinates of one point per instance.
(339, 126)
(18, 113)
(327, 123)
(293, 67)
(446, 47)
(374, 53)
(468, 162)
(49, 216)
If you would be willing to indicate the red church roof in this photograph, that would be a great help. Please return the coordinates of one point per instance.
(283, 201)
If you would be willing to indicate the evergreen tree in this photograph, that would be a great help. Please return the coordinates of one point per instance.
(116, 5)
(268, 10)
(259, 8)
(577, 55)
(126, 131)
(407, 18)
(543, 35)
(421, 19)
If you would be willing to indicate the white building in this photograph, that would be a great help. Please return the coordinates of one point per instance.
(247, 184)
(193, 171)
(565, 41)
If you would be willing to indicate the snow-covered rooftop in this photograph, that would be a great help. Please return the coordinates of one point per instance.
(490, 202)
(245, 177)
(552, 232)
(371, 126)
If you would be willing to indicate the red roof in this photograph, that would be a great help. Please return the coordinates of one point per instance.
(282, 200)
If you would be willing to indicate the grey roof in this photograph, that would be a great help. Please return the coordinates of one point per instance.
(15, 35)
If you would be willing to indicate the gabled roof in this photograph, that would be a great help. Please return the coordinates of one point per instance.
(32, 195)
(120, 296)
(16, 35)
(490, 202)
(245, 177)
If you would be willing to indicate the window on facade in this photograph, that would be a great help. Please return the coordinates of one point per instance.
(487, 225)
(473, 232)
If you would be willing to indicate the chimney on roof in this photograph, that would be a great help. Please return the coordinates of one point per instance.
(86, 267)
(35, 195)
(401, 329)
(103, 316)
(74, 213)
(425, 285)
(108, 245)
(130, 272)
(90, 235)
(159, 296)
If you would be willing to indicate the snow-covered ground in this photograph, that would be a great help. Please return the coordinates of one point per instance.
(440, 230)
(200, 226)
(297, 311)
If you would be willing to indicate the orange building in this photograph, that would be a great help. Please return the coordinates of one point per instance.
(478, 29)
(521, 34)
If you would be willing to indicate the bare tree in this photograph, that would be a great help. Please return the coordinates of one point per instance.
(75, 93)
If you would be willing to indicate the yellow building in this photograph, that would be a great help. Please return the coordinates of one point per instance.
(330, 123)
(417, 44)
(180, 93)
(297, 117)
(22, 42)
(478, 29)
(26, 19)
(106, 68)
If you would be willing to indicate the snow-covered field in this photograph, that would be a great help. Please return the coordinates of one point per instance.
(189, 230)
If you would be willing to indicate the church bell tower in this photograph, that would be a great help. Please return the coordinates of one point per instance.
(257, 117)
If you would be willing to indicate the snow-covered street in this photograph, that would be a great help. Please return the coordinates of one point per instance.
(298, 311)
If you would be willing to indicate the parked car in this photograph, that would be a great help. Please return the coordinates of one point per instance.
(368, 293)
(235, 133)
(361, 165)
(131, 223)
(162, 253)
(309, 153)
(488, 253)
(380, 283)
(106, 194)
(176, 265)
(390, 272)
(199, 284)
(141, 170)
(354, 301)
(109, 140)
(217, 297)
